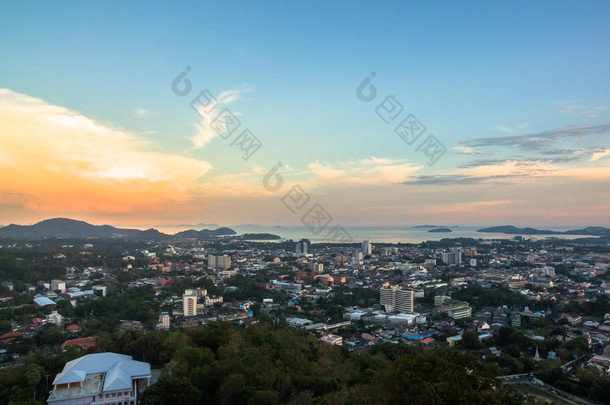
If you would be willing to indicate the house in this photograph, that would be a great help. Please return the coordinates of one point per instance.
(333, 339)
(84, 343)
(107, 378)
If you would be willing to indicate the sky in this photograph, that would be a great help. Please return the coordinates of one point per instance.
(283, 113)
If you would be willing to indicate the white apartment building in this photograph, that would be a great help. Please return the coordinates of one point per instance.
(395, 299)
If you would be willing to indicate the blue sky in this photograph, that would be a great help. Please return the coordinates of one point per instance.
(466, 70)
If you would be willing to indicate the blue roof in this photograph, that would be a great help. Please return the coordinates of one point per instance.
(119, 370)
(43, 301)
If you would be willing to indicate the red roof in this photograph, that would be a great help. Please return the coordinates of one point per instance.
(84, 343)
(36, 320)
(9, 335)
(427, 340)
(73, 327)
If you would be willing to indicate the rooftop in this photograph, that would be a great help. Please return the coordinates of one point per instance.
(99, 372)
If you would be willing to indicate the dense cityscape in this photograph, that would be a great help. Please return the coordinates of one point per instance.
(304, 202)
(532, 313)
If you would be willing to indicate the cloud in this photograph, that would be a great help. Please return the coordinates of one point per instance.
(55, 159)
(602, 153)
(209, 110)
(582, 110)
(570, 108)
(370, 170)
(142, 112)
(467, 150)
(517, 129)
(453, 179)
(539, 141)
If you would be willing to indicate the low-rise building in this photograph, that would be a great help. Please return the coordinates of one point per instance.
(101, 378)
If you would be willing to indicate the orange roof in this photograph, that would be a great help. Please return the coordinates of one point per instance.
(11, 335)
(36, 320)
(73, 327)
(427, 340)
(84, 343)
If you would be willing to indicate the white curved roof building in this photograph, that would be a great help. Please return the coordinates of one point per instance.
(101, 378)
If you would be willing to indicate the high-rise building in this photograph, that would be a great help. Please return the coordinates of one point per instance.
(301, 248)
(189, 302)
(367, 248)
(164, 320)
(395, 299)
(452, 257)
(219, 262)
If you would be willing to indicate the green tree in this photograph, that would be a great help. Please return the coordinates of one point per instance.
(171, 390)
(34, 374)
(470, 340)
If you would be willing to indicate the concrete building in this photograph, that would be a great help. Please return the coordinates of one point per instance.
(452, 257)
(333, 340)
(395, 299)
(58, 285)
(316, 267)
(164, 320)
(301, 248)
(367, 248)
(219, 262)
(461, 312)
(189, 303)
(293, 288)
(99, 290)
(101, 378)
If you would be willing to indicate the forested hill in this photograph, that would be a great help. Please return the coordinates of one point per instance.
(70, 228)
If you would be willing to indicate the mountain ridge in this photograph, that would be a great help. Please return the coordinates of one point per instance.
(72, 228)
(513, 230)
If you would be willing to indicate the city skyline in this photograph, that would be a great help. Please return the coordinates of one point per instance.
(96, 123)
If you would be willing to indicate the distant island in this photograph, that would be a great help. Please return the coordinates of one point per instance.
(434, 226)
(513, 230)
(259, 236)
(440, 230)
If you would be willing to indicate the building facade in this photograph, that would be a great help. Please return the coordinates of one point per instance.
(100, 378)
(395, 299)
(189, 303)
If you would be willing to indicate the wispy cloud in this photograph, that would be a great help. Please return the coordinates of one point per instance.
(370, 170)
(540, 141)
(582, 110)
(517, 129)
(570, 108)
(205, 131)
(602, 153)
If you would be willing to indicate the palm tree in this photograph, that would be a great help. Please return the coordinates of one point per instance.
(34, 374)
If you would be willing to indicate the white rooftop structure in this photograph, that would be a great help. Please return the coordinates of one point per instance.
(99, 378)
(42, 301)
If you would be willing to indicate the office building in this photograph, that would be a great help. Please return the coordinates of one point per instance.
(395, 299)
(100, 378)
(219, 262)
(189, 302)
(367, 248)
(301, 248)
(459, 313)
(452, 257)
